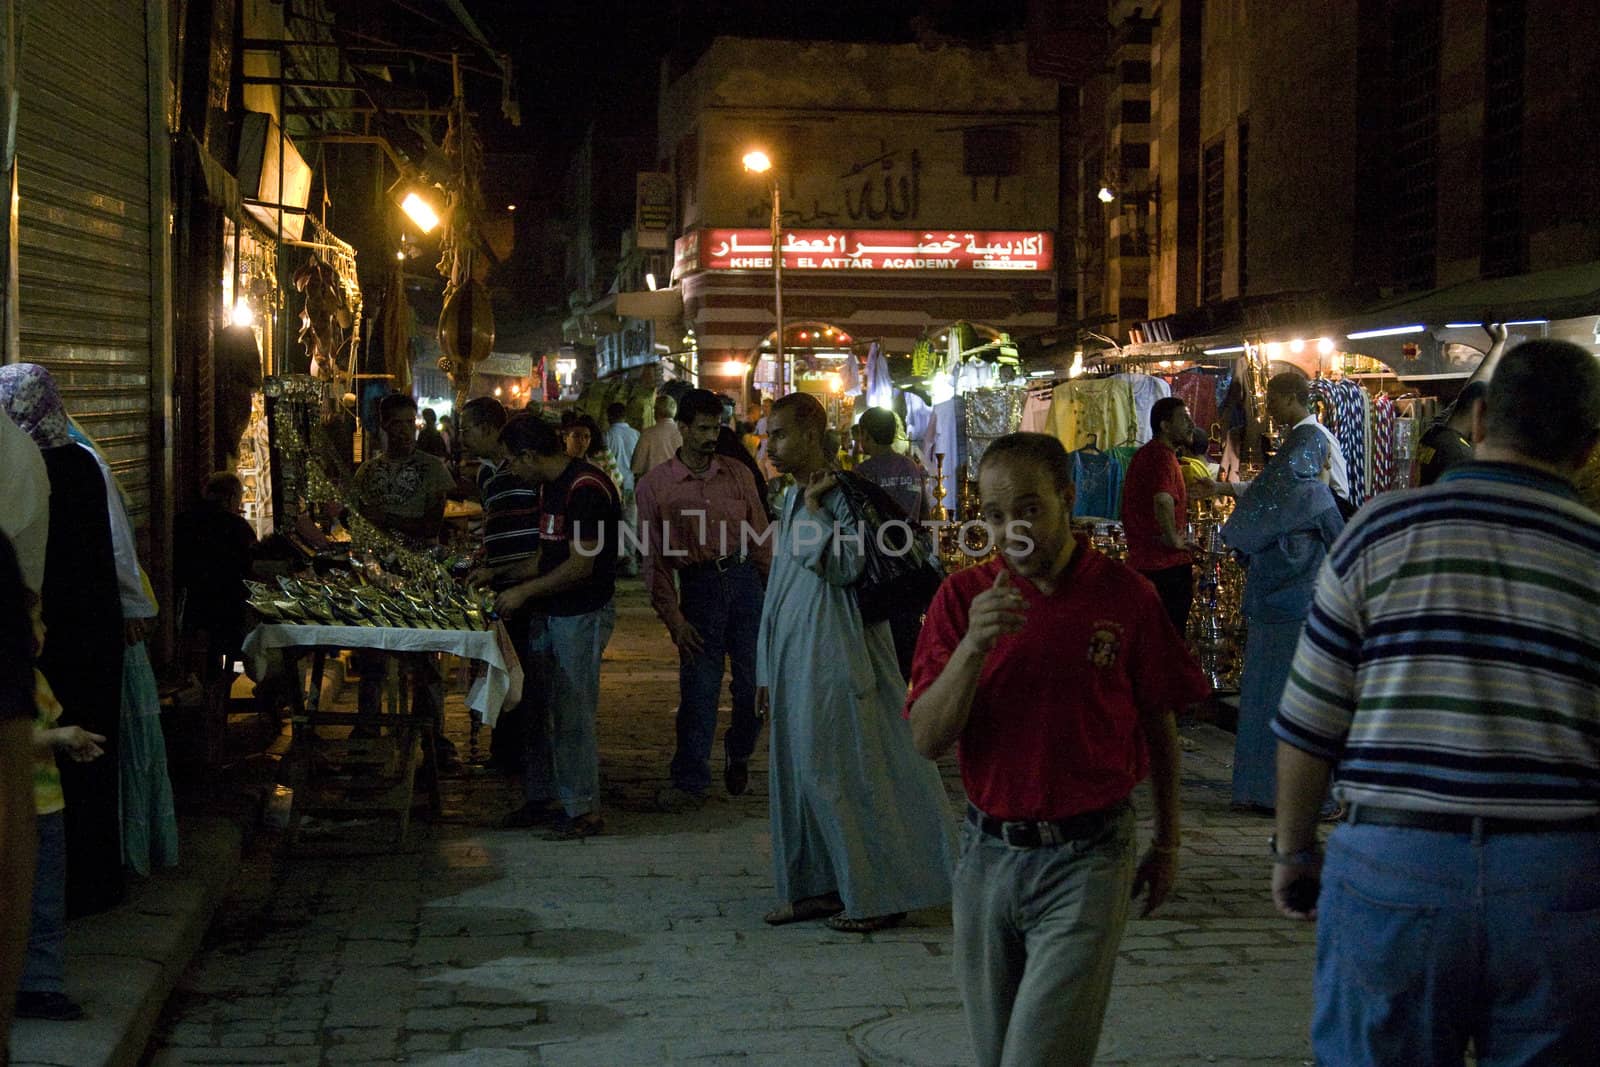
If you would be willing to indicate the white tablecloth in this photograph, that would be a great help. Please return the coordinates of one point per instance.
(490, 691)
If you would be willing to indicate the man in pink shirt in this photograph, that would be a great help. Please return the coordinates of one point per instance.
(701, 519)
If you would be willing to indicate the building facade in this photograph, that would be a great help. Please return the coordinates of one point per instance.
(1329, 154)
(918, 186)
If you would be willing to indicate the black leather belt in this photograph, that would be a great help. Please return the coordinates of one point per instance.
(1452, 823)
(720, 565)
(1028, 834)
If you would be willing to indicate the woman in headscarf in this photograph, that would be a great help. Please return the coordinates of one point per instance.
(149, 818)
(83, 648)
(1281, 530)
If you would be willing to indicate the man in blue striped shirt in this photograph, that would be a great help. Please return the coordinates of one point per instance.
(510, 542)
(1450, 671)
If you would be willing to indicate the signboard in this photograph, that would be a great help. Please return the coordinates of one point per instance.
(891, 250)
(652, 211)
(686, 255)
(508, 364)
(634, 346)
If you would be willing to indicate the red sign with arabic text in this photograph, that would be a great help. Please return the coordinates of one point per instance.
(913, 250)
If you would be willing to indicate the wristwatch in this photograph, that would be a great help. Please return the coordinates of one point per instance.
(1311, 854)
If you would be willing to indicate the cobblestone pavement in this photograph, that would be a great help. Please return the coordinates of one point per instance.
(645, 945)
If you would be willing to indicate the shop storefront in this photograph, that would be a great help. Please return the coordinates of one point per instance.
(90, 257)
(845, 290)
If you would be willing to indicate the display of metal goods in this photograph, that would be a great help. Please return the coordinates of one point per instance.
(367, 596)
(1216, 623)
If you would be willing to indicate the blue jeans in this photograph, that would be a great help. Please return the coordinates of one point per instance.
(1427, 939)
(561, 754)
(46, 966)
(1036, 934)
(726, 609)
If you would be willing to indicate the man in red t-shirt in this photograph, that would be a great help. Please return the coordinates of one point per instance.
(1154, 506)
(1057, 671)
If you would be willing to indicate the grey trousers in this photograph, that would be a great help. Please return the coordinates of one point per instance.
(1036, 934)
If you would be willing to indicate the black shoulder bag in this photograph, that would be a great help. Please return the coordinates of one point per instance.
(902, 571)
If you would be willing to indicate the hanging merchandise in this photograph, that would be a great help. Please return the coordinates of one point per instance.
(466, 324)
(1147, 389)
(1098, 478)
(989, 414)
(880, 391)
(324, 317)
(1122, 456)
(1345, 406)
(466, 331)
(1384, 467)
(1036, 410)
(393, 333)
(1097, 411)
(237, 375)
(1197, 388)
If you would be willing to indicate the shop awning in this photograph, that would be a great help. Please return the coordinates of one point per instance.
(221, 187)
(1562, 293)
(585, 324)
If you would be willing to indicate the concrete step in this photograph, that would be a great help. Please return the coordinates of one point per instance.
(123, 963)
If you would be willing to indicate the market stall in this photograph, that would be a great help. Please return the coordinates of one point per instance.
(407, 610)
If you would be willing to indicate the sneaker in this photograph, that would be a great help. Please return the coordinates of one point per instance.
(736, 777)
(52, 1007)
(675, 801)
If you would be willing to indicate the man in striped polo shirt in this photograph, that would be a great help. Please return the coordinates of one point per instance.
(1450, 670)
(510, 538)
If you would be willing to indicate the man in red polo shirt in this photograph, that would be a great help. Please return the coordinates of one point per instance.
(1057, 671)
(1155, 510)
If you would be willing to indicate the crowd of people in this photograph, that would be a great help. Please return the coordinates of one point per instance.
(1419, 671)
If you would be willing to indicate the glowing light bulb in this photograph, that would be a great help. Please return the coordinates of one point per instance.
(1297, 346)
(1325, 346)
(242, 315)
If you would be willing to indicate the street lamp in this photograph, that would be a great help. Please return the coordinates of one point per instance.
(758, 162)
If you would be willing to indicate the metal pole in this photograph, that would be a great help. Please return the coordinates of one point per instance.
(787, 363)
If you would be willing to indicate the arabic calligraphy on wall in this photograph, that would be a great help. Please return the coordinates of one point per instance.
(884, 188)
(930, 250)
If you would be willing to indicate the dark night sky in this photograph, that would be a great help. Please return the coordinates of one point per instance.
(575, 58)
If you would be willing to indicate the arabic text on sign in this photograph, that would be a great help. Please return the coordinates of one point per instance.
(878, 250)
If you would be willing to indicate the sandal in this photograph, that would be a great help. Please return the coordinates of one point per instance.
(576, 828)
(845, 925)
(801, 911)
(530, 815)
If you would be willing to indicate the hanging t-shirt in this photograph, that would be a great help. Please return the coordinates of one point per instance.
(1100, 409)
(1098, 477)
(1147, 389)
(1036, 412)
(1123, 456)
(1198, 390)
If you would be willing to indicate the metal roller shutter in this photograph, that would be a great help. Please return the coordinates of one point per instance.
(83, 242)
